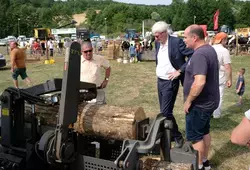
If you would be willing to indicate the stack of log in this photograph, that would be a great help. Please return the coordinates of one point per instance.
(110, 51)
(111, 122)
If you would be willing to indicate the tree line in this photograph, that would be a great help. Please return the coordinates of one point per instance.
(107, 16)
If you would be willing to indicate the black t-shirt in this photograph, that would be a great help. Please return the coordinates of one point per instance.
(60, 44)
(204, 62)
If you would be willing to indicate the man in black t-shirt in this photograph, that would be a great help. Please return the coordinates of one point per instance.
(201, 92)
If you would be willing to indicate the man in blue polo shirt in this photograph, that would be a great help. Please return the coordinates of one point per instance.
(201, 92)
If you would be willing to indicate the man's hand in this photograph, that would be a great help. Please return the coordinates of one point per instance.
(237, 91)
(12, 70)
(174, 75)
(104, 84)
(187, 105)
(229, 83)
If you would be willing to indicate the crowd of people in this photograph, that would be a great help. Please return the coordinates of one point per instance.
(38, 48)
(204, 70)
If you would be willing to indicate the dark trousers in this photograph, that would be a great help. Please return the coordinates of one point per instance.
(167, 92)
(138, 55)
(51, 52)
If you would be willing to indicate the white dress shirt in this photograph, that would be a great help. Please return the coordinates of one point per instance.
(164, 66)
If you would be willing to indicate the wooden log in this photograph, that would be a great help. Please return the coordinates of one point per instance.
(112, 122)
(45, 115)
(155, 164)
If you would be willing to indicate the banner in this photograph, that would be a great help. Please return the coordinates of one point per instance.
(216, 20)
(63, 31)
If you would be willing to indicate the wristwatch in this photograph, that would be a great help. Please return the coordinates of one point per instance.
(106, 78)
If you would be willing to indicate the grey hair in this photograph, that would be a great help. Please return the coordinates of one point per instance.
(160, 26)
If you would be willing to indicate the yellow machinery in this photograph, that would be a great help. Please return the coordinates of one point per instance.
(42, 33)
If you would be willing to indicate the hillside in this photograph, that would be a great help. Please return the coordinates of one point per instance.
(81, 18)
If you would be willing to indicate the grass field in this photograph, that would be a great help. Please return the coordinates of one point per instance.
(135, 85)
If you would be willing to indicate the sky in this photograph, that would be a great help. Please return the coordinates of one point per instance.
(147, 2)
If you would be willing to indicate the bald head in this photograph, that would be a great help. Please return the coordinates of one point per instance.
(194, 36)
(86, 44)
(196, 30)
(87, 50)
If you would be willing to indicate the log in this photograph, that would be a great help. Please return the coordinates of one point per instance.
(111, 122)
(155, 164)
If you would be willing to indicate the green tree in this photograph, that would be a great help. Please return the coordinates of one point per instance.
(155, 16)
(243, 15)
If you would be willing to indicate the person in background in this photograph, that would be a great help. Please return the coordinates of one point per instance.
(240, 86)
(51, 47)
(225, 69)
(91, 65)
(18, 66)
(132, 52)
(60, 47)
(138, 49)
(99, 45)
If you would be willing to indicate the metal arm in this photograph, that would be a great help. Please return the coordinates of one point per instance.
(59, 145)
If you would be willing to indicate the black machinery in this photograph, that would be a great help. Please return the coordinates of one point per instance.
(28, 146)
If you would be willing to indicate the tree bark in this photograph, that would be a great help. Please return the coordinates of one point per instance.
(111, 122)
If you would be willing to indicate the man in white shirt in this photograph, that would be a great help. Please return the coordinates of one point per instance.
(171, 55)
(225, 69)
(51, 47)
(91, 70)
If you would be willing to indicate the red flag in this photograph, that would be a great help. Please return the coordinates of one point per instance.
(216, 20)
(204, 27)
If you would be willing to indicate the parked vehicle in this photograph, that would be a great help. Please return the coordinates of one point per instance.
(211, 33)
(42, 33)
(227, 29)
(21, 38)
(73, 37)
(3, 42)
(11, 38)
(2, 61)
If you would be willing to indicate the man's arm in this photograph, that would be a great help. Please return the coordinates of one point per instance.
(240, 85)
(107, 74)
(196, 88)
(228, 70)
(186, 52)
(241, 133)
(12, 60)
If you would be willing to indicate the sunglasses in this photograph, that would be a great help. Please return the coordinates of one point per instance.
(89, 51)
(157, 36)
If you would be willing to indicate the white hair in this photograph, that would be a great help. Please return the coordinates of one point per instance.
(160, 26)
